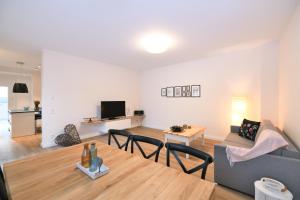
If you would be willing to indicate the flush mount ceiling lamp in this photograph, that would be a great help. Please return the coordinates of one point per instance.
(156, 43)
(20, 87)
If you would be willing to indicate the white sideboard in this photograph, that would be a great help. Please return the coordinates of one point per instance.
(22, 123)
(120, 123)
(115, 124)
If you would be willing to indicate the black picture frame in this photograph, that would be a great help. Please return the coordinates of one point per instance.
(185, 90)
(194, 89)
(170, 91)
(163, 92)
(176, 90)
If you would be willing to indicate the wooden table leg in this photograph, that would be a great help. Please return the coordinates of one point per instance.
(187, 143)
(202, 138)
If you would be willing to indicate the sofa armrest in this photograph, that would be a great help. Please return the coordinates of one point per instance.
(242, 175)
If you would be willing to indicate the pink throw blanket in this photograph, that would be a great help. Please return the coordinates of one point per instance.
(267, 142)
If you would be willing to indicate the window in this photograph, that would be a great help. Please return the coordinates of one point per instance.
(3, 103)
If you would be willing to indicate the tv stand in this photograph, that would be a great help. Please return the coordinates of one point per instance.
(116, 123)
(112, 118)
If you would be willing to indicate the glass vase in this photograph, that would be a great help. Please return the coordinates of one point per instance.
(86, 156)
(94, 160)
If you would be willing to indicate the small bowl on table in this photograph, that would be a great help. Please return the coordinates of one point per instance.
(176, 129)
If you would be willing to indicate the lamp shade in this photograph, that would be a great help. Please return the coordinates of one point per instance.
(20, 88)
(239, 109)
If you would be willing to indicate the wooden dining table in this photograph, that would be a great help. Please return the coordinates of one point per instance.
(53, 175)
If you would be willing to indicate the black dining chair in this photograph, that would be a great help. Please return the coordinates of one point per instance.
(174, 148)
(3, 192)
(112, 133)
(1, 174)
(135, 139)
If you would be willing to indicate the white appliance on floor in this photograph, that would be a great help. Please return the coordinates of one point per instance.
(270, 189)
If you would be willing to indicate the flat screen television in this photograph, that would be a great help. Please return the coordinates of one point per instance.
(112, 109)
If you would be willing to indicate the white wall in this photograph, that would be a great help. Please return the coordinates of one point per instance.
(73, 87)
(269, 82)
(9, 75)
(17, 100)
(251, 73)
(289, 81)
(36, 83)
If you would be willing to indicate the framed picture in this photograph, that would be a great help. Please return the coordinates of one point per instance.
(195, 90)
(177, 91)
(185, 90)
(170, 91)
(163, 92)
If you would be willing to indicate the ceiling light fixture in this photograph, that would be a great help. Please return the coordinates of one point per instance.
(156, 43)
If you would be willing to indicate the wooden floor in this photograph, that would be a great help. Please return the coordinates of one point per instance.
(12, 149)
(17, 148)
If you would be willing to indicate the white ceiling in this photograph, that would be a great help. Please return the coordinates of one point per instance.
(108, 31)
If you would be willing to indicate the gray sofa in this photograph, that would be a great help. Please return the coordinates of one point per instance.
(282, 164)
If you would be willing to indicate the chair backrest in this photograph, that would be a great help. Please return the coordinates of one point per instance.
(71, 130)
(3, 192)
(174, 148)
(135, 139)
(112, 133)
(1, 174)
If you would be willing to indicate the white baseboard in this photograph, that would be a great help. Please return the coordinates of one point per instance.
(89, 135)
(214, 137)
(48, 144)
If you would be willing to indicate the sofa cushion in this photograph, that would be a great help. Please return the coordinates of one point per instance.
(291, 146)
(290, 154)
(235, 140)
(290, 151)
(265, 124)
(249, 129)
(248, 146)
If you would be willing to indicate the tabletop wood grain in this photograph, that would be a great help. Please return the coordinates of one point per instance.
(194, 130)
(53, 175)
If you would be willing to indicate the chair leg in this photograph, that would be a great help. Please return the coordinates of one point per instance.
(1, 174)
(131, 146)
(168, 157)
(127, 142)
(203, 172)
(157, 155)
(109, 138)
